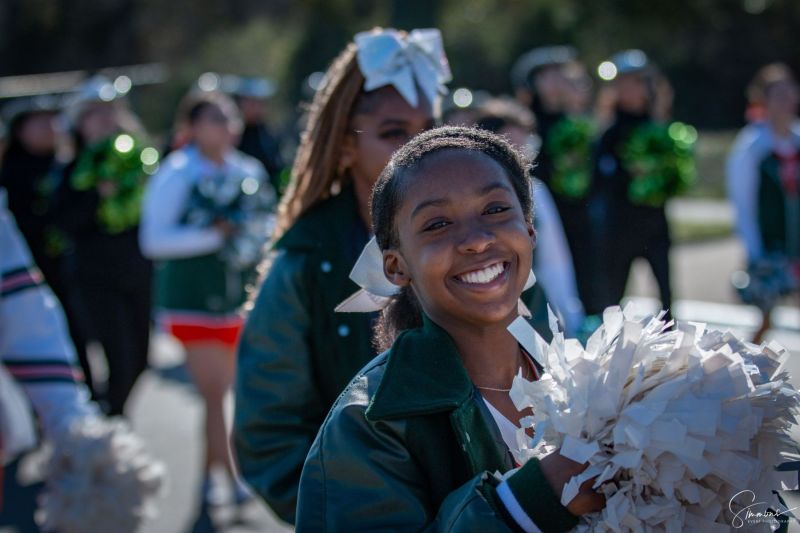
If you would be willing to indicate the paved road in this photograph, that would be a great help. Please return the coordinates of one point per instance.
(166, 411)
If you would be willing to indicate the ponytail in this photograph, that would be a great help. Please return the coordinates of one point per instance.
(403, 312)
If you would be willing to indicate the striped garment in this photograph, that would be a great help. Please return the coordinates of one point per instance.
(20, 279)
(35, 347)
(41, 371)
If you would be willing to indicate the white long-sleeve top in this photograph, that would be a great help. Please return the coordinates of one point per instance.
(753, 143)
(553, 261)
(162, 235)
(35, 347)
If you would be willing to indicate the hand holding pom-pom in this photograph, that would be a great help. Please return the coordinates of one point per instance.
(677, 426)
(99, 478)
(559, 470)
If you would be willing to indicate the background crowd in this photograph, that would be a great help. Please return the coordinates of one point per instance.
(162, 228)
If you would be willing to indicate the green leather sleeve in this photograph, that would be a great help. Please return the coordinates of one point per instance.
(542, 504)
(278, 407)
(359, 476)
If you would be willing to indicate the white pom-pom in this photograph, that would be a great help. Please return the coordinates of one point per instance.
(682, 428)
(99, 478)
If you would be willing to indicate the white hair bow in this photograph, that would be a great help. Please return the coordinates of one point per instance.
(388, 57)
(376, 291)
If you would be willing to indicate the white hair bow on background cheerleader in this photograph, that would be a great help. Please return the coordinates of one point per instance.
(406, 61)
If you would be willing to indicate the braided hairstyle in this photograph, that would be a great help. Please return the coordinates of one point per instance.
(315, 174)
(403, 311)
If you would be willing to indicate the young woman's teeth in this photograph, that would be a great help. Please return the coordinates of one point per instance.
(483, 276)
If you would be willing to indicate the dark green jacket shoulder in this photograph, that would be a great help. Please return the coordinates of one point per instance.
(410, 446)
(330, 238)
(328, 218)
(296, 355)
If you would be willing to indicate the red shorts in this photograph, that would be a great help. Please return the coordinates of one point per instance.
(197, 327)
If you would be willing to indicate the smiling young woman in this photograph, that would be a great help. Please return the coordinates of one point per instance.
(412, 441)
(472, 243)
(472, 250)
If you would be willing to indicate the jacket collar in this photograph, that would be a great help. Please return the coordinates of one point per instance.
(424, 375)
(323, 223)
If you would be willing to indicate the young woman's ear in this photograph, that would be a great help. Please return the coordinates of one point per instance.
(347, 156)
(395, 268)
(532, 233)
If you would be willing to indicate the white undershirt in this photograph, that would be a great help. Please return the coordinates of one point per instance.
(508, 430)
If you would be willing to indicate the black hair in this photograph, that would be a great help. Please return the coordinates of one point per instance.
(196, 111)
(766, 78)
(195, 103)
(403, 311)
(500, 113)
(14, 131)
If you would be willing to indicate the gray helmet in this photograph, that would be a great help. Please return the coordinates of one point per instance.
(249, 86)
(95, 89)
(631, 62)
(526, 67)
(16, 108)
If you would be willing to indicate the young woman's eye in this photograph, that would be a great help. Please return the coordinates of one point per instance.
(497, 209)
(394, 134)
(438, 224)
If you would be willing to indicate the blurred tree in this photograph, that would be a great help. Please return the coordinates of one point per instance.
(49, 35)
(708, 48)
(410, 14)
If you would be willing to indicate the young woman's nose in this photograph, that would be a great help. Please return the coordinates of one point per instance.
(475, 238)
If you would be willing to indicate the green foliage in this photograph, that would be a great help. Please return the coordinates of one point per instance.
(569, 144)
(709, 49)
(117, 168)
(259, 47)
(660, 161)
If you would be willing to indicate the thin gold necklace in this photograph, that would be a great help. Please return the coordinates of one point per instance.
(527, 376)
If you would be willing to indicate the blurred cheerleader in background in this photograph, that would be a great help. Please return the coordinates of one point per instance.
(206, 216)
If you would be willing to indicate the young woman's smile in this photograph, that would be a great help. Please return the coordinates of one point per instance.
(485, 278)
(464, 243)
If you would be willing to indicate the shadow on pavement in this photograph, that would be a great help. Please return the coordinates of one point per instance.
(18, 501)
(203, 523)
(225, 518)
(175, 373)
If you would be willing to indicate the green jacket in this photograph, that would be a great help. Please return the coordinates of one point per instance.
(410, 446)
(296, 354)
